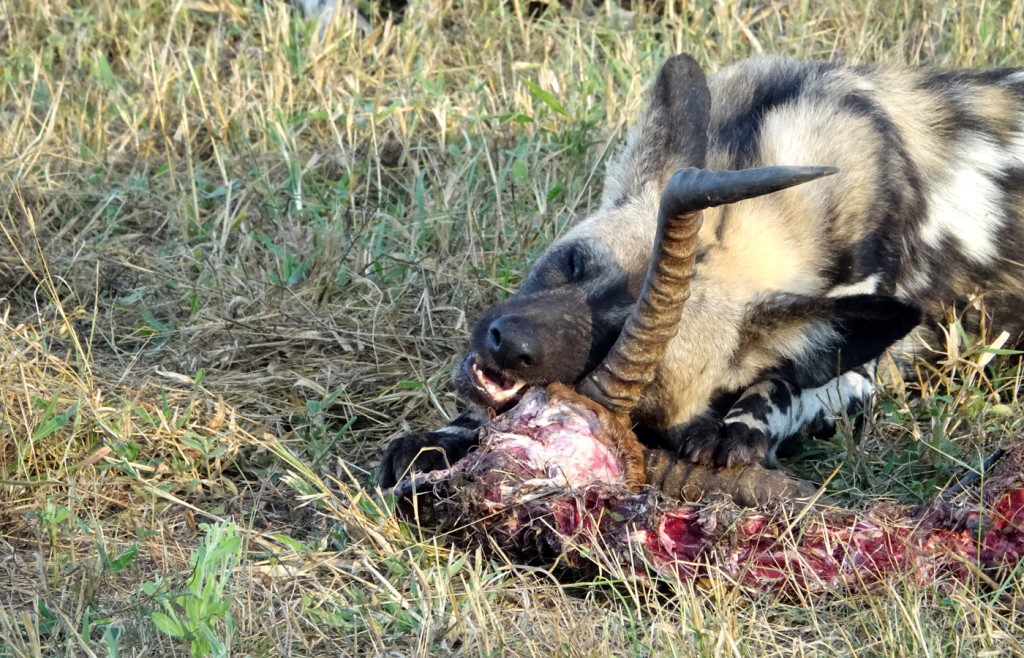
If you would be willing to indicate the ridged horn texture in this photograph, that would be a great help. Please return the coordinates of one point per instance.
(748, 485)
(632, 362)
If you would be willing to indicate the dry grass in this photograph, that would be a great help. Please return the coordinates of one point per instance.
(237, 258)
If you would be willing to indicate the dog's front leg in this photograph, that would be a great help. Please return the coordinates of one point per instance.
(430, 451)
(767, 414)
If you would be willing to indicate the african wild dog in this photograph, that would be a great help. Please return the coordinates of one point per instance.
(796, 293)
(325, 10)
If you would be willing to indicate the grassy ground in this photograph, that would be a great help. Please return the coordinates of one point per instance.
(236, 259)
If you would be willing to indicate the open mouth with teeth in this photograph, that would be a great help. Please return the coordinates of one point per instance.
(495, 388)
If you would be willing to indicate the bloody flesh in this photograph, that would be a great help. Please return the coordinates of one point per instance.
(558, 475)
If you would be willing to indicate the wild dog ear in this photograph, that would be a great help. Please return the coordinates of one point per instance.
(680, 112)
(812, 340)
(671, 135)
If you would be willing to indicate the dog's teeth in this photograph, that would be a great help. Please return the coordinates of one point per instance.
(494, 388)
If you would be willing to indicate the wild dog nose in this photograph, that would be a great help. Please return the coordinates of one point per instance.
(513, 344)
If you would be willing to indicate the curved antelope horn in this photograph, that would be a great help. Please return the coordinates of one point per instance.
(631, 364)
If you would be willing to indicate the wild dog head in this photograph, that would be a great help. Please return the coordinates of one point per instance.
(572, 306)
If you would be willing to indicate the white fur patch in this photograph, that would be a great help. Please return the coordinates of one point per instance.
(748, 419)
(967, 207)
(836, 396)
(1014, 78)
(865, 286)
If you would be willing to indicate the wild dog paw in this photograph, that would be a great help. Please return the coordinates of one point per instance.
(423, 452)
(714, 443)
(741, 444)
(698, 439)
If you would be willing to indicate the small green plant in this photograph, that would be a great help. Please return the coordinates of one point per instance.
(53, 519)
(292, 267)
(201, 614)
(320, 432)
